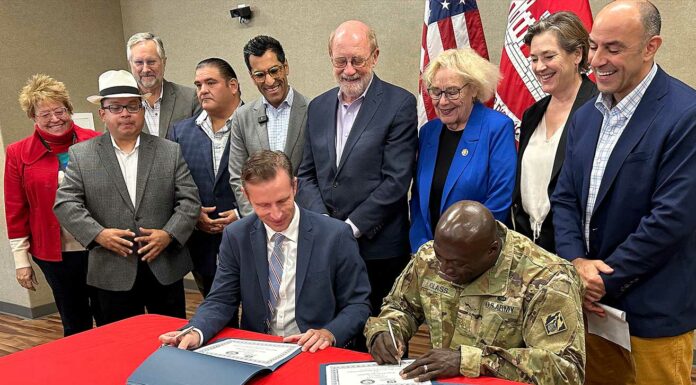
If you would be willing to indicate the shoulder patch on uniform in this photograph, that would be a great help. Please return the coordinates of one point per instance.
(554, 323)
(437, 288)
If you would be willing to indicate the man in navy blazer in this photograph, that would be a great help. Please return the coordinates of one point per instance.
(625, 201)
(322, 294)
(359, 156)
(205, 145)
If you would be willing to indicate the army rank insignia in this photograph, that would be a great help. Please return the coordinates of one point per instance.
(554, 323)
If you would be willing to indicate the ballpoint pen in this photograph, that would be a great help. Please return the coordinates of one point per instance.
(391, 333)
(182, 333)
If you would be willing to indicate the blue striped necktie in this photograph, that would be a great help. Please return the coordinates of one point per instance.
(275, 275)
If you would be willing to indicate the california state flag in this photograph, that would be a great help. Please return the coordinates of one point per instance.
(519, 88)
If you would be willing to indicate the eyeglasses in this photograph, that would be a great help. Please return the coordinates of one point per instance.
(59, 113)
(355, 61)
(452, 93)
(260, 76)
(118, 108)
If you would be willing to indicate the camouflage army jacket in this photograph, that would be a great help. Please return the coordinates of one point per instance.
(521, 320)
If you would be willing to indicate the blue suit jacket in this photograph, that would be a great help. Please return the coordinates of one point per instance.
(331, 285)
(213, 190)
(485, 174)
(643, 224)
(370, 184)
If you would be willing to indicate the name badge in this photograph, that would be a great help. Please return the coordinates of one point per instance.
(437, 288)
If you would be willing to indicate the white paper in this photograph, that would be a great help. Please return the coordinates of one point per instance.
(254, 352)
(367, 373)
(613, 327)
(84, 119)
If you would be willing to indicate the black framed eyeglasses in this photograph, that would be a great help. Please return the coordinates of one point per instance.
(452, 93)
(355, 61)
(118, 108)
(275, 72)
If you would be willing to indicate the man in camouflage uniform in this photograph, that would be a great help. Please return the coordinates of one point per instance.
(496, 305)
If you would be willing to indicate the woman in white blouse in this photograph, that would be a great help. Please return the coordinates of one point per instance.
(558, 48)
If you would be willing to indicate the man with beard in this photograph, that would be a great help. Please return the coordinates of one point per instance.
(168, 102)
(360, 151)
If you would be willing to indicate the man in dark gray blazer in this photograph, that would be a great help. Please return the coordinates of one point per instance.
(276, 121)
(129, 198)
(167, 102)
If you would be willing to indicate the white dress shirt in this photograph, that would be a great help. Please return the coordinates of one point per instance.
(283, 322)
(129, 166)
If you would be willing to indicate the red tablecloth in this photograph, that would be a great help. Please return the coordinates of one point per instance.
(109, 354)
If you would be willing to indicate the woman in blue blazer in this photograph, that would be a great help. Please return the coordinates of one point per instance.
(468, 152)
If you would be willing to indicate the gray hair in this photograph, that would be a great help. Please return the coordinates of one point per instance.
(141, 37)
(650, 17)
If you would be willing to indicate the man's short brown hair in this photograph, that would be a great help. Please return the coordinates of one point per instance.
(264, 165)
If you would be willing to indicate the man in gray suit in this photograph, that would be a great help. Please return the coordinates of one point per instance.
(168, 102)
(276, 121)
(129, 198)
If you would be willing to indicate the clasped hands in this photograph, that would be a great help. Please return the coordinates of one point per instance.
(436, 363)
(589, 270)
(214, 226)
(152, 242)
(312, 340)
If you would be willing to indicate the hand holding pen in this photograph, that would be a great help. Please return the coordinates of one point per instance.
(184, 339)
(386, 348)
(397, 347)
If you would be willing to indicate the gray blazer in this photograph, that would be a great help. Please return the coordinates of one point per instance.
(93, 196)
(178, 103)
(248, 136)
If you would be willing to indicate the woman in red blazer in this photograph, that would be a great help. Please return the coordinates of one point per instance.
(33, 170)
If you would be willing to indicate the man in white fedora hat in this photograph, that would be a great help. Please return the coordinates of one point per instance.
(129, 198)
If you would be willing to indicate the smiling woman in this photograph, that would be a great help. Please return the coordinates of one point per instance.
(33, 171)
(558, 48)
(468, 152)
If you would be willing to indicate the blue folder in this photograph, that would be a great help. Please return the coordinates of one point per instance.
(173, 366)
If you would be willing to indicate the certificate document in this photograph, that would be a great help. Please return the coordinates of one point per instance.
(366, 373)
(260, 353)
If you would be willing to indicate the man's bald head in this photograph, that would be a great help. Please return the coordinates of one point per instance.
(465, 222)
(355, 31)
(466, 242)
(642, 11)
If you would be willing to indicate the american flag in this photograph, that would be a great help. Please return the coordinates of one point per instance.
(447, 24)
(519, 88)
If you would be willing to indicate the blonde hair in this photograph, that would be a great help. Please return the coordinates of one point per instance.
(41, 88)
(474, 69)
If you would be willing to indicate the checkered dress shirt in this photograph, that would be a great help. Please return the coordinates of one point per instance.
(278, 122)
(218, 139)
(613, 125)
(152, 115)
